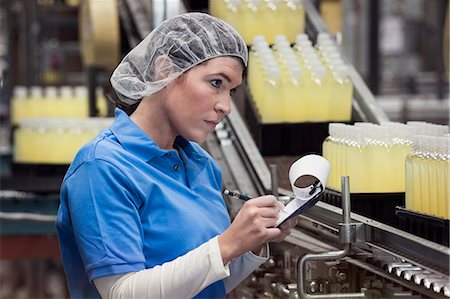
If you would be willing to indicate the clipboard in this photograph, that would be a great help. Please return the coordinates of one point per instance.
(308, 176)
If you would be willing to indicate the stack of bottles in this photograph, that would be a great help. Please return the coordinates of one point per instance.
(54, 140)
(261, 17)
(51, 101)
(373, 156)
(300, 83)
(428, 176)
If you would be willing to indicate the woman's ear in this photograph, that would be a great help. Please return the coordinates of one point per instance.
(163, 67)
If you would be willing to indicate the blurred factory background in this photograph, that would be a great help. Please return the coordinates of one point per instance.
(365, 83)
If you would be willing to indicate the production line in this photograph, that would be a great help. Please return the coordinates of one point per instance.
(347, 255)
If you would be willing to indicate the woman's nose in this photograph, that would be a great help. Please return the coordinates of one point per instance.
(224, 105)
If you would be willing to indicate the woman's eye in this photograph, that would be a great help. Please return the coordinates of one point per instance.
(217, 83)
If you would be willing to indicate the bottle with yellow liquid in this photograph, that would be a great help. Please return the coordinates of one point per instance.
(35, 108)
(19, 104)
(270, 20)
(254, 62)
(355, 158)
(19, 142)
(301, 46)
(294, 19)
(250, 11)
(262, 59)
(433, 158)
(279, 50)
(67, 101)
(409, 181)
(318, 94)
(271, 101)
(292, 91)
(401, 147)
(443, 176)
(269, 84)
(50, 101)
(26, 142)
(54, 138)
(341, 94)
(333, 151)
(370, 165)
(328, 151)
(425, 179)
(295, 103)
(420, 187)
(233, 15)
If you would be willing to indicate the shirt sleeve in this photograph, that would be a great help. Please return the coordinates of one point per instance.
(104, 213)
(242, 266)
(183, 277)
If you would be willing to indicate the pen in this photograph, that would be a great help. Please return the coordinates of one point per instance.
(236, 194)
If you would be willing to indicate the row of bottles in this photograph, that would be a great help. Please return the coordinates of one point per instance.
(428, 176)
(261, 17)
(51, 101)
(54, 140)
(373, 156)
(303, 83)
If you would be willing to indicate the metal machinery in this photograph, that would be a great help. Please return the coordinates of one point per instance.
(333, 253)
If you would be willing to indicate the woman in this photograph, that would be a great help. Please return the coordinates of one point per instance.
(142, 215)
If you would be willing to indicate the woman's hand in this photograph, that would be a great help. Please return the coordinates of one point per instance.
(253, 226)
(286, 229)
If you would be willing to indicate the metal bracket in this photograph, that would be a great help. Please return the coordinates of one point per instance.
(348, 233)
(352, 232)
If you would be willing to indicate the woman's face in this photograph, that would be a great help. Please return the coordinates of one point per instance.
(198, 100)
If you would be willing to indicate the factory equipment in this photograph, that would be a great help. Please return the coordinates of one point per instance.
(328, 256)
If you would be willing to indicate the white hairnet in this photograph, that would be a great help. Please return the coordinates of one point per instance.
(171, 49)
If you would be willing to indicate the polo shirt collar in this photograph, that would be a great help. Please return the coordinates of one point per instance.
(137, 142)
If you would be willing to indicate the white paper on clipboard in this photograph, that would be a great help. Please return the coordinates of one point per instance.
(308, 177)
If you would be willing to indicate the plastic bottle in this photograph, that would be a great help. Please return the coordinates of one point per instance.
(67, 101)
(432, 161)
(355, 159)
(50, 107)
(328, 151)
(270, 20)
(401, 146)
(409, 182)
(341, 95)
(248, 17)
(233, 15)
(35, 102)
(318, 95)
(19, 104)
(420, 187)
(443, 176)
(331, 149)
(271, 101)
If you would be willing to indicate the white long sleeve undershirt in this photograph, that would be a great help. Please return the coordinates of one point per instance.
(183, 277)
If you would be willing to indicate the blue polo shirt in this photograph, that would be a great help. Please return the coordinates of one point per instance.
(127, 205)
